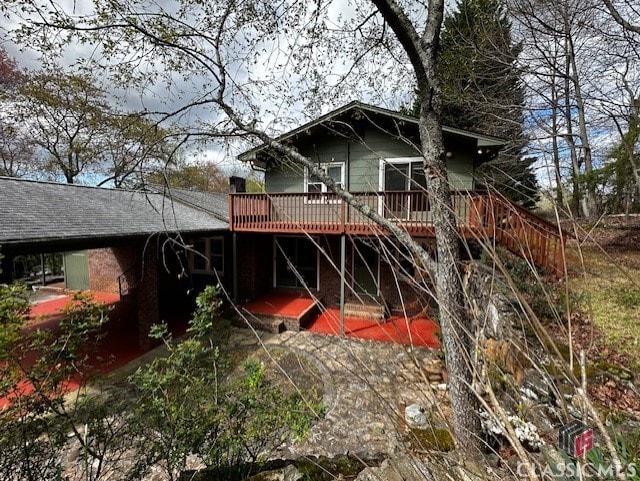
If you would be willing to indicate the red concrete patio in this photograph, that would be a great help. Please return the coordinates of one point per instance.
(398, 329)
(283, 304)
(293, 305)
(118, 341)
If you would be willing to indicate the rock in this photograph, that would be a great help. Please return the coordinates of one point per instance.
(401, 468)
(288, 473)
(415, 416)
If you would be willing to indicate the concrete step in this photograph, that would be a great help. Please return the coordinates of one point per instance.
(375, 312)
(261, 323)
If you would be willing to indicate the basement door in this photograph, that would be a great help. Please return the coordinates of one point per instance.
(76, 270)
(296, 262)
(366, 269)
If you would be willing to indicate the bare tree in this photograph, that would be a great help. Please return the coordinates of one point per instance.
(628, 8)
(215, 51)
(577, 59)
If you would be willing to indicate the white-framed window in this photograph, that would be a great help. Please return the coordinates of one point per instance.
(404, 183)
(207, 255)
(313, 185)
(402, 174)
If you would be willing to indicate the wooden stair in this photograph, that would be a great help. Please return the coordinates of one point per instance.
(524, 233)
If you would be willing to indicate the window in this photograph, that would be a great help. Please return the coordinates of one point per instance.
(404, 181)
(207, 256)
(404, 175)
(313, 185)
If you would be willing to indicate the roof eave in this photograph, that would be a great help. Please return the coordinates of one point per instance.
(251, 155)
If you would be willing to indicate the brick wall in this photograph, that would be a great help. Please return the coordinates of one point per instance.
(255, 265)
(329, 290)
(105, 265)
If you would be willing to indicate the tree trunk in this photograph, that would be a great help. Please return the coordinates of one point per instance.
(555, 107)
(589, 200)
(456, 328)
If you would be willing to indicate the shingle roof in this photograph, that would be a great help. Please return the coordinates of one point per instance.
(214, 203)
(32, 211)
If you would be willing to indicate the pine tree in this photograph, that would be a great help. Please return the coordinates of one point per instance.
(483, 92)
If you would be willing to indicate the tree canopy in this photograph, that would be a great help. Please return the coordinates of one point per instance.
(482, 91)
(63, 124)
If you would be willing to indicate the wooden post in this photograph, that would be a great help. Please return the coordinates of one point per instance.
(234, 253)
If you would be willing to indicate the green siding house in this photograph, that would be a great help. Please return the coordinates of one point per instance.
(300, 235)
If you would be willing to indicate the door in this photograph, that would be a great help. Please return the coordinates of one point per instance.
(405, 184)
(366, 267)
(296, 262)
(76, 270)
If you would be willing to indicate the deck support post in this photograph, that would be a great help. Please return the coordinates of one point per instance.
(343, 256)
(42, 271)
(234, 267)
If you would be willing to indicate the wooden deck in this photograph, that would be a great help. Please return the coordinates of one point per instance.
(479, 215)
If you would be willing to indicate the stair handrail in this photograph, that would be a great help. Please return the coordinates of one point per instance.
(124, 281)
(554, 236)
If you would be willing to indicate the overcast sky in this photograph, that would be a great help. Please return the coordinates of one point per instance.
(276, 114)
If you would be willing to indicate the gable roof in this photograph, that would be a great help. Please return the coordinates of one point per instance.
(35, 212)
(333, 116)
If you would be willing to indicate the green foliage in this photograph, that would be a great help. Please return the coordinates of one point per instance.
(628, 451)
(482, 91)
(627, 296)
(616, 179)
(188, 403)
(201, 176)
(13, 308)
(255, 186)
(37, 368)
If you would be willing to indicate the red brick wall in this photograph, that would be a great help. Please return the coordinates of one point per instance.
(105, 265)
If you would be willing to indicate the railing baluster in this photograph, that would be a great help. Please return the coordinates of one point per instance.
(481, 213)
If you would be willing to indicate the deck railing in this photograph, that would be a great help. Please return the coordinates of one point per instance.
(478, 214)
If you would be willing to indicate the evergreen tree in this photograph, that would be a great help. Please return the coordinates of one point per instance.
(483, 92)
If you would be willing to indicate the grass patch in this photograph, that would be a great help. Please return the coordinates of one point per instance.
(608, 293)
